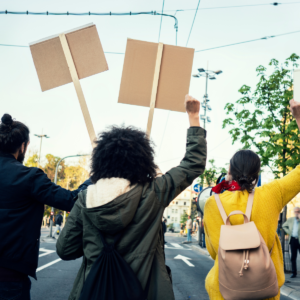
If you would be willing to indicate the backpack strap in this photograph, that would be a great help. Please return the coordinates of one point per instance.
(249, 205)
(221, 208)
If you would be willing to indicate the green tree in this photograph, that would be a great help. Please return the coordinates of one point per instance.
(32, 159)
(183, 219)
(209, 175)
(265, 122)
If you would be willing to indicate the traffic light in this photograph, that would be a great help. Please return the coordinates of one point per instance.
(52, 213)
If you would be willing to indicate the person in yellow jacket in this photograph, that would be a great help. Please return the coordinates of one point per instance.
(269, 200)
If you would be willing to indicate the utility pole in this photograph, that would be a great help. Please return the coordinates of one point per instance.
(55, 181)
(208, 74)
(41, 136)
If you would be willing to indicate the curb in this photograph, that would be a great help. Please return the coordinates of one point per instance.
(284, 290)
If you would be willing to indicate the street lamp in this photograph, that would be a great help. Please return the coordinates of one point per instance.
(41, 136)
(208, 74)
(55, 181)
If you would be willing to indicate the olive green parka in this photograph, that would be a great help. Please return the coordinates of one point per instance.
(139, 214)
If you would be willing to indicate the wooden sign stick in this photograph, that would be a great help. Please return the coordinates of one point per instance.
(74, 75)
(154, 87)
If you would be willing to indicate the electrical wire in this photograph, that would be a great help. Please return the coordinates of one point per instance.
(162, 11)
(47, 13)
(234, 6)
(239, 43)
(193, 23)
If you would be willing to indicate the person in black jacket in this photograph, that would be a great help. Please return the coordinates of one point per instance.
(24, 192)
(58, 221)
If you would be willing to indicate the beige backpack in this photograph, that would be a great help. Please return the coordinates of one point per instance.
(246, 270)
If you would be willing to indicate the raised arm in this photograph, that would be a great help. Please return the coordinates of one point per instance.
(170, 185)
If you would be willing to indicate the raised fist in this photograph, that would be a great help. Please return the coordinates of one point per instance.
(295, 109)
(192, 105)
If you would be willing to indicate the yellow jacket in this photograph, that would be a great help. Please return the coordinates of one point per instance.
(269, 200)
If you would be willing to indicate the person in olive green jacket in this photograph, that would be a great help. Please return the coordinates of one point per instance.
(127, 195)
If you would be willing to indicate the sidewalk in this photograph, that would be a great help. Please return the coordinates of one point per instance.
(291, 288)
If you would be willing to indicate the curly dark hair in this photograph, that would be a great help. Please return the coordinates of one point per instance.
(123, 152)
(245, 168)
(12, 134)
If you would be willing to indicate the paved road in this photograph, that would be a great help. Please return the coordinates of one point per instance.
(55, 281)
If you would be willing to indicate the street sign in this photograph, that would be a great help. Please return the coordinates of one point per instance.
(197, 188)
(185, 259)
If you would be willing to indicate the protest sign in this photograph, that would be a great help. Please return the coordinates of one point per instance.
(69, 57)
(156, 75)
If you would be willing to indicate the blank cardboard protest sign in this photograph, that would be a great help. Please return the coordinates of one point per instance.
(50, 61)
(69, 57)
(138, 73)
(297, 85)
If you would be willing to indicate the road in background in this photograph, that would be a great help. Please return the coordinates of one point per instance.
(189, 269)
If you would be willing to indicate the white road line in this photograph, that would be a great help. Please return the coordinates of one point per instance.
(176, 246)
(48, 265)
(47, 252)
(185, 259)
(167, 247)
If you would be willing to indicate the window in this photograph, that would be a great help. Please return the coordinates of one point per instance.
(184, 203)
(172, 219)
(177, 203)
(172, 210)
(168, 217)
(175, 219)
(176, 210)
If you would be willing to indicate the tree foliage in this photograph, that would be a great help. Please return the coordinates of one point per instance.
(209, 176)
(261, 120)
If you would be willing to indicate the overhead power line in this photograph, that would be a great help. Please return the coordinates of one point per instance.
(201, 50)
(239, 43)
(193, 23)
(233, 6)
(47, 13)
(162, 11)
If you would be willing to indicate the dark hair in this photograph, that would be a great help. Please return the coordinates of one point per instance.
(245, 168)
(123, 152)
(12, 134)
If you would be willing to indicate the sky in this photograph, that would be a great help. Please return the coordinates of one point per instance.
(57, 112)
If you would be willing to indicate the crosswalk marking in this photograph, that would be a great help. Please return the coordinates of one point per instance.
(176, 245)
(48, 265)
(47, 252)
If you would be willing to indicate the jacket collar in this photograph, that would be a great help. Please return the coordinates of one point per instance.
(8, 155)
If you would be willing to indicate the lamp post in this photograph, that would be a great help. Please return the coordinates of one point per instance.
(55, 181)
(41, 136)
(208, 74)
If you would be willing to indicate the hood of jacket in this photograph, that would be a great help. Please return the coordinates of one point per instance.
(111, 204)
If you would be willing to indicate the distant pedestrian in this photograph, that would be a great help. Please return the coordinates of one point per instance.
(164, 227)
(292, 228)
(24, 192)
(58, 222)
(189, 226)
(195, 226)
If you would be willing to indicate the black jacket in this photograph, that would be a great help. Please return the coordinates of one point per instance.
(23, 193)
(58, 220)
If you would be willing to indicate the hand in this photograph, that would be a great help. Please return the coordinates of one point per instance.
(295, 109)
(192, 107)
